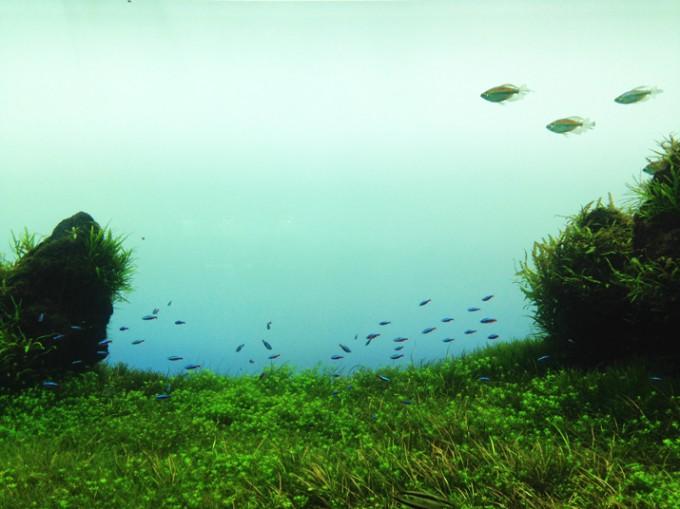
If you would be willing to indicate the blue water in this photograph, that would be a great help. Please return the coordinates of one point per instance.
(323, 165)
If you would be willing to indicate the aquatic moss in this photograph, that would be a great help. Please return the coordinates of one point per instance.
(579, 300)
(608, 285)
(659, 197)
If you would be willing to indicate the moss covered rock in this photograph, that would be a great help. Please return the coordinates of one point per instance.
(608, 286)
(57, 299)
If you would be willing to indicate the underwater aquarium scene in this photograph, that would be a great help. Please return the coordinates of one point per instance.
(339, 254)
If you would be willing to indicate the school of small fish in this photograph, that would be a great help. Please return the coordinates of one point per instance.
(572, 124)
(400, 346)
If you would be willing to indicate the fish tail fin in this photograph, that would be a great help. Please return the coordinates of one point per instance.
(654, 91)
(521, 92)
(586, 124)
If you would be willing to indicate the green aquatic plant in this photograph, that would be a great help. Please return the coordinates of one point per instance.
(422, 500)
(4, 269)
(538, 436)
(609, 284)
(654, 285)
(112, 263)
(659, 197)
(23, 243)
(579, 302)
(10, 315)
(71, 278)
(19, 357)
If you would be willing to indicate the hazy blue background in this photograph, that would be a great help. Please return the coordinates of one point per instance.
(323, 165)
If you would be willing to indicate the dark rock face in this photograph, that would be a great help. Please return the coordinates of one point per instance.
(61, 301)
(660, 237)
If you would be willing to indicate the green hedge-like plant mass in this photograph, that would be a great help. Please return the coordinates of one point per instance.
(608, 285)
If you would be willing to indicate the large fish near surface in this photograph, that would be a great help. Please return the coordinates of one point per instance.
(574, 124)
(503, 93)
(638, 94)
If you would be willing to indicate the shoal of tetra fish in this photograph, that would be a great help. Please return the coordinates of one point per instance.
(402, 350)
(467, 322)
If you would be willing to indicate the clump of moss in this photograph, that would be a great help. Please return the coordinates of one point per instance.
(659, 198)
(608, 286)
(580, 301)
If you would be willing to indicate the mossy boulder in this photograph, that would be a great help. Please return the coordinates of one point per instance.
(608, 286)
(579, 300)
(57, 298)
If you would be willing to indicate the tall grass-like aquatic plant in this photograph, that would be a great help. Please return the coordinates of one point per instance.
(111, 262)
(23, 243)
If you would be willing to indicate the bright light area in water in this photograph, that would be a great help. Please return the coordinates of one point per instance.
(323, 165)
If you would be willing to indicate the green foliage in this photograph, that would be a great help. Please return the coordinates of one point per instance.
(574, 282)
(97, 264)
(105, 256)
(23, 243)
(17, 352)
(608, 286)
(654, 285)
(18, 356)
(111, 262)
(536, 435)
(5, 267)
(659, 197)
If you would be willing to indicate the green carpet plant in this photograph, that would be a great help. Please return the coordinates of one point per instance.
(497, 428)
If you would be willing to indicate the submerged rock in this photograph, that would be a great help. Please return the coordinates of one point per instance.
(58, 298)
(608, 286)
(655, 238)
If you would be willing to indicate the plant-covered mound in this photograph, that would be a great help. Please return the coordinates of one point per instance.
(608, 286)
(56, 299)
